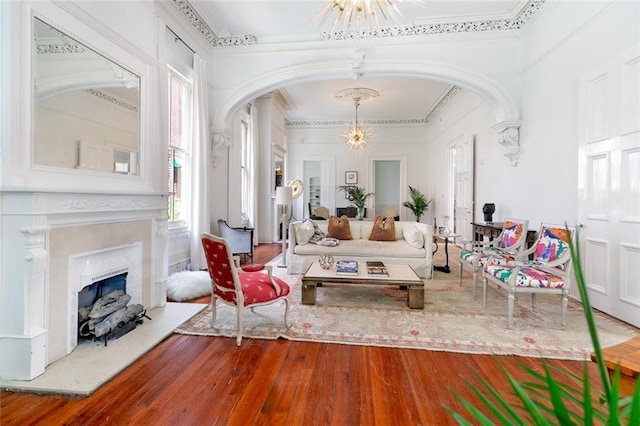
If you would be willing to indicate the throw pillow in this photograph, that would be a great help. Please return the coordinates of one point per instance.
(318, 235)
(304, 232)
(412, 235)
(339, 228)
(383, 229)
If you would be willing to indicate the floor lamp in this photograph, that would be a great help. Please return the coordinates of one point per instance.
(284, 196)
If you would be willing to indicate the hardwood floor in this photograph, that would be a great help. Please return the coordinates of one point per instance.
(199, 380)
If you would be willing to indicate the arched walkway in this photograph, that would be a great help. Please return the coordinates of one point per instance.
(506, 111)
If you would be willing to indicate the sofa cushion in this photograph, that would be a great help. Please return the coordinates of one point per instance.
(339, 228)
(304, 232)
(412, 235)
(383, 229)
(365, 248)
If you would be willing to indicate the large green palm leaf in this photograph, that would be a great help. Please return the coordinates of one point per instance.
(546, 401)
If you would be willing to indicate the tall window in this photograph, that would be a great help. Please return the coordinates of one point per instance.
(179, 157)
(245, 178)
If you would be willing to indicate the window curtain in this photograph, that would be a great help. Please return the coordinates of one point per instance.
(200, 216)
(252, 156)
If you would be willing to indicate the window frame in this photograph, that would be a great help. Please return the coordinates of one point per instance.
(185, 152)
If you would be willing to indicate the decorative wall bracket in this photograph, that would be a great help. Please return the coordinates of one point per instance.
(509, 138)
(357, 60)
(219, 145)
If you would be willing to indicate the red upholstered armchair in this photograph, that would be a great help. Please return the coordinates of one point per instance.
(237, 287)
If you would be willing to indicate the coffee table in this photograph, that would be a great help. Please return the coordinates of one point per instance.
(400, 275)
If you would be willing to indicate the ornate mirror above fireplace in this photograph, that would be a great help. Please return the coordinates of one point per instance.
(86, 106)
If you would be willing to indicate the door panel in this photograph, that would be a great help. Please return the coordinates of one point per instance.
(461, 192)
(609, 185)
(387, 186)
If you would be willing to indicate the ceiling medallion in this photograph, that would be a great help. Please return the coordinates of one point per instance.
(357, 136)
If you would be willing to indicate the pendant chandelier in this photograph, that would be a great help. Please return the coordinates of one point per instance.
(357, 136)
(357, 18)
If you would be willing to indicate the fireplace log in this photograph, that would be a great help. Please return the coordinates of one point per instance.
(121, 316)
(109, 303)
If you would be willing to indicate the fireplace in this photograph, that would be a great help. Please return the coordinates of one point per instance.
(94, 274)
(61, 242)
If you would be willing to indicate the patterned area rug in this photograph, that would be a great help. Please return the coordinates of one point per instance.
(451, 320)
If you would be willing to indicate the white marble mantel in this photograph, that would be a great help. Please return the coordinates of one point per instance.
(41, 231)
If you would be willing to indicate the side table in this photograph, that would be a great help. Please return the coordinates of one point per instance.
(445, 237)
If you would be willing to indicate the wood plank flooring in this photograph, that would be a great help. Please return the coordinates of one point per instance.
(194, 380)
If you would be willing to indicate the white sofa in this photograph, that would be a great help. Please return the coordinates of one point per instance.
(409, 250)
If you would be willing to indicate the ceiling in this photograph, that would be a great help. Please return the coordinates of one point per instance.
(279, 21)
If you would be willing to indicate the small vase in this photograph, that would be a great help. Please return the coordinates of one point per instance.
(360, 213)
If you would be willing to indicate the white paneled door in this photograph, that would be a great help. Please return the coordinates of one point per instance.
(609, 179)
(461, 193)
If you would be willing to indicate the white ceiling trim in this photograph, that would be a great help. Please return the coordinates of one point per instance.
(512, 14)
(419, 29)
(444, 28)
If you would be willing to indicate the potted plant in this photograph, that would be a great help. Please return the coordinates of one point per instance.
(358, 196)
(418, 204)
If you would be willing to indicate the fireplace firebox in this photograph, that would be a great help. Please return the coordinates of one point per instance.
(104, 311)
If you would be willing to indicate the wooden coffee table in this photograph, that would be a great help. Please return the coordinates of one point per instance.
(399, 275)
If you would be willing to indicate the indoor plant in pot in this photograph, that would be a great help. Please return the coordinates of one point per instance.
(418, 204)
(358, 196)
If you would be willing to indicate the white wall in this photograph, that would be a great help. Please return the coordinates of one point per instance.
(407, 143)
(467, 114)
(568, 39)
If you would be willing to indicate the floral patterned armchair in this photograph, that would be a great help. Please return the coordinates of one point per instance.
(549, 271)
(510, 242)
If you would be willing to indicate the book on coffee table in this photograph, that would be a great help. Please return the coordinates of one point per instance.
(377, 269)
(347, 267)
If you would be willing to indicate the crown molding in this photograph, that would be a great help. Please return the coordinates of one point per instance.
(211, 36)
(444, 27)
(522, 16)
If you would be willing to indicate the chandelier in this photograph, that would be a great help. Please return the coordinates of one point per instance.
(357, 136)
(358, 17)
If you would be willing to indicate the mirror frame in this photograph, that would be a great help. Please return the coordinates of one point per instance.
(117, 68)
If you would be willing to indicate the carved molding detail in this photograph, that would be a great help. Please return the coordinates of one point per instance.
(36, 264)
(111, 99)
(35, 241)
(57, 48)
(443, 102)
(442, 28)
(219, 145)
(357, 60)
(185, 8)
(509, 138)
(339, 123)
(106, 204)
(395, 31)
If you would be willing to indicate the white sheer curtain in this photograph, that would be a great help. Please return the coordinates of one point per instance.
(252, 151)
(200, 220)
